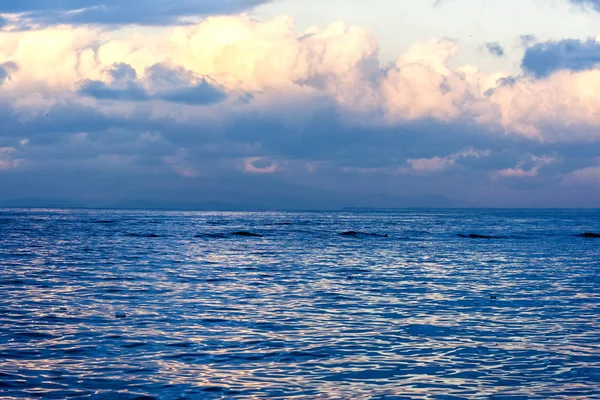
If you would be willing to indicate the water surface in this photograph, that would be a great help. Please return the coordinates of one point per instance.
(300, 311)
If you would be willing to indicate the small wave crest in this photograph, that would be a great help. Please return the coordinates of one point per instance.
(247, 234)
(478, 236)
(589, 235)
(143, 235)
(356, 234)
(210, 236)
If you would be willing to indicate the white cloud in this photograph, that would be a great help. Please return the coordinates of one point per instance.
(440, 163)
(520, 172)
(275, 62)
(251, 166)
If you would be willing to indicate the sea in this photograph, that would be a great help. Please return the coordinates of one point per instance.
(356, 304)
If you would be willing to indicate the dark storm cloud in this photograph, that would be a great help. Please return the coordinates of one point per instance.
(543, 59)
(495, 49)
(148, 12)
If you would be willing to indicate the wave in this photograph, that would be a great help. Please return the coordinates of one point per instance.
(588, 235)
(216, 235)
(356, 234)
(143, 235)
(477, 236)
(523, 236)
(247, 234)
(211, 236)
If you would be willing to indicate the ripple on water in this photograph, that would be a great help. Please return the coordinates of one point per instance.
(320, 305)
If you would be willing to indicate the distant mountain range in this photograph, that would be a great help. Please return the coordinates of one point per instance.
(41, 203)
(388, 203)
(226, 194)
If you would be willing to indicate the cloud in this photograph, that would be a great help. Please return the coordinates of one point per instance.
(589, 176)
(272, 64)
(161, 83)
(6, 158)
(3, 75)
(259, 165)
(181, 165)
(200, 94)
(543, 59)
(231, 96)
(520, 171)
(118, 12)
(440, 163)
(102, 91)
(527, 40)
(6, 70)
(495, 49)
(594, 4)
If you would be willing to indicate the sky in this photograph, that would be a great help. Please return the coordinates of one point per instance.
(300, 103)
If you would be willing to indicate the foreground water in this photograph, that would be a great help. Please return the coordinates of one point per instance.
(132, 304)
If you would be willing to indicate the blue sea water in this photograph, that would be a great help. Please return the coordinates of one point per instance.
(171, 305)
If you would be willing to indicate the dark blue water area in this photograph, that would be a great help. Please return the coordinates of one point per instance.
(384, 305)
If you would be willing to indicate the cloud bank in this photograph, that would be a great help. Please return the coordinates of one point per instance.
(231, 96)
